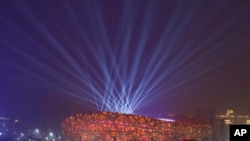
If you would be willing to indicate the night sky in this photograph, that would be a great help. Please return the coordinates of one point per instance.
(61, 57)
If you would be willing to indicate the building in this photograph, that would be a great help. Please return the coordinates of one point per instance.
(4, 126)
(231, 118)
(109, 126)
(8, 128)
(225, 120)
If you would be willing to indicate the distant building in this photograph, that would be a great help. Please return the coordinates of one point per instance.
(227, 119)
(231, 118)
(8, 127)
(4, 126)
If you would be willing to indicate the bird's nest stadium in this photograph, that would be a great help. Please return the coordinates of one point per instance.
(109, 126)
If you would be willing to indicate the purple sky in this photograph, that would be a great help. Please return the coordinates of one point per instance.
(203, 54)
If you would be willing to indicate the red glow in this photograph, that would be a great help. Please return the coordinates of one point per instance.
(122, 127)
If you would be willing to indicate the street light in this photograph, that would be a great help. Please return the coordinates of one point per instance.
(50, 134)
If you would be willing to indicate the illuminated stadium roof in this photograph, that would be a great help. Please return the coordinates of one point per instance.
(115, 126)
(109, 126)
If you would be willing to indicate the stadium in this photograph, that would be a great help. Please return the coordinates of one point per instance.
(109, 126)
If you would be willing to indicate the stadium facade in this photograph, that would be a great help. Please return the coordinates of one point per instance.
(109, 126)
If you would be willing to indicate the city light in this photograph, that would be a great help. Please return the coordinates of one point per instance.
(51, 134)
(37, 131)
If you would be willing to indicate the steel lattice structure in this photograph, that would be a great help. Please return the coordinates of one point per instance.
(115, 126)
(109, 126)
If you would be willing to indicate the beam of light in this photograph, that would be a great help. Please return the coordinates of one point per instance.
(123, 74)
